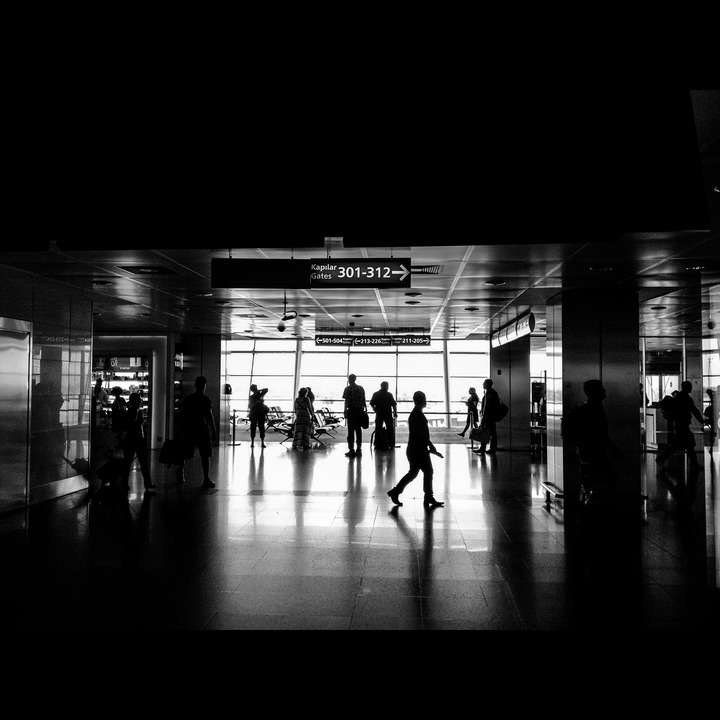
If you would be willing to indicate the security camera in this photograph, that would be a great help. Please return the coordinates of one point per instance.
(281, 326)
(352, 324)
(711, 325)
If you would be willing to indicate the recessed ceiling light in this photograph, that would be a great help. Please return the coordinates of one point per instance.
(101, 282)
(695, 267)
(472, 308)
(494, 282)
(413, 294)
(367, 328)
(222, 302)
(357, 316)
(203, 294)
(304, 315)
(659, 307)
(412, 302)
(601, 268)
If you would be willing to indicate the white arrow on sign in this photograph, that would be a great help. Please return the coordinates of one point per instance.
(404, 272)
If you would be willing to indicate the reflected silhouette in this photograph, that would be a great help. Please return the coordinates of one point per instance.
(355, 501)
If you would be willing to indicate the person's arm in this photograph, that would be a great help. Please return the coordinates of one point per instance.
(211, 422)
(431, 447)
(696, 413)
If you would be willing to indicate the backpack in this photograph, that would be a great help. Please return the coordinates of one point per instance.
(667, 407)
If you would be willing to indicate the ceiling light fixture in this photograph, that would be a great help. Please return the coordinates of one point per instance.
(413, 294)
(659, 307)
(203, 294)
(412, 302)
(472, 308)
(601, 268)
(494, 283)
(101, 282)
(357, 316)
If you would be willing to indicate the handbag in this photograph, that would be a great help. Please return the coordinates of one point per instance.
(170, 453)
(481, 435)
(365, 420)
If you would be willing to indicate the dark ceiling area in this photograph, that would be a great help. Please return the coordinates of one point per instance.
(601, 191)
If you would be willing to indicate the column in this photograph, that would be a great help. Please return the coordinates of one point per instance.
(594, 334)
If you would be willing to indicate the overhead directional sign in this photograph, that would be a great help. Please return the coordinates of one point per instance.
(365, 272)
(372, 340)
(306, 274)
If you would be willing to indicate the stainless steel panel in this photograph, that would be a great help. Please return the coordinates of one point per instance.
(14, 410)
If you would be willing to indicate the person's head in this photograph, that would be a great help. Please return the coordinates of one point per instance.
(134, 400)
(302, 392)
(98, 382)
(686, 386)
(472, 391)
(384, 385)
(116, 391)
(200, 383)
(419, 398)
(253, 388)
(488, 384)
(594, 390)
(352, 378)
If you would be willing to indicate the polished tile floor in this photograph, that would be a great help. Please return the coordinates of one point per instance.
(309, 540)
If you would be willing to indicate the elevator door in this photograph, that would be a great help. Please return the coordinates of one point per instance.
(14, 410)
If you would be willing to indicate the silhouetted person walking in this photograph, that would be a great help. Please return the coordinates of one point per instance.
(684, 410)
(472, 416)
(257, 412)
(197, 430)
(135, 442)
(385, 407)
(488, 412)
(419, 449)
(354, 397)
(587, 429)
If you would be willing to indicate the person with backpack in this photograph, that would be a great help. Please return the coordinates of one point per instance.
(683, 411)
(385, 407)
(489, 407)
(136, 442)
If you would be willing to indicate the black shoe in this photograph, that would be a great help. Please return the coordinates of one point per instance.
(393, 495)
(208, 484)
(461, 434)
(432, 503)
(351, 453)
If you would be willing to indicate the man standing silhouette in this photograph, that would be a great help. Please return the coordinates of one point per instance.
(354, 397)
(197, 430)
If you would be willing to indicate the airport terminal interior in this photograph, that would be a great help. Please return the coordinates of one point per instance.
(525, 536)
